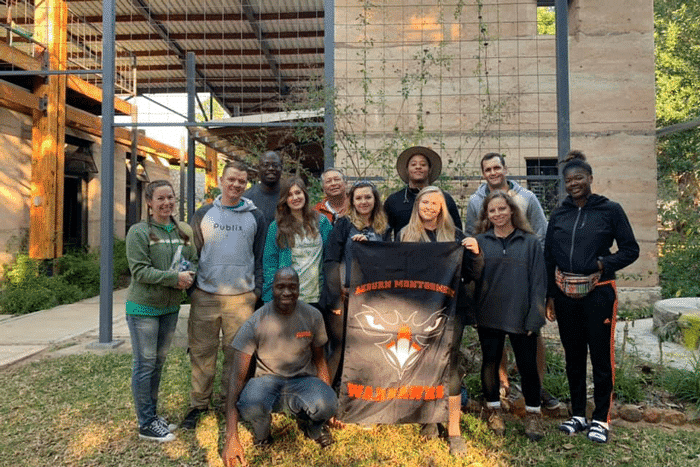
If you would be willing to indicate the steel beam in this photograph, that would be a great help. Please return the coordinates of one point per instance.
(252, 16)
(562, 59)
(329, 83)
(191, 64)
(107, 175)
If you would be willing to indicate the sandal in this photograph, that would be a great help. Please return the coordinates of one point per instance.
(598, 433)
(573, 426)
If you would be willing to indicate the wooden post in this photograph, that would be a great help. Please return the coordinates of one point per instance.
(48, 134)
(212, 168)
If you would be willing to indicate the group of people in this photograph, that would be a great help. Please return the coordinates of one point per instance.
(268, 249)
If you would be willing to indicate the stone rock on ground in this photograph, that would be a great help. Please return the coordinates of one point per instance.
(653, 415)
(674, 417)
(631, 413)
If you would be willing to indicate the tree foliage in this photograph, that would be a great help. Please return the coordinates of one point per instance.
(546, 20)
(677, 47)
(677, 43)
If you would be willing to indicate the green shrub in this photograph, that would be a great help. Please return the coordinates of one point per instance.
(683, 384)
(35, 294)
(555, 381)
(120, 264)
(28, 286)
(81, 269)
(629, 384)
(630, 314)
(23, 269)
(679, 267)
(472, 381)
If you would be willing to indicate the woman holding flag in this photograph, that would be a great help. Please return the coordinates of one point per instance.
(431, 222)
(365, 221)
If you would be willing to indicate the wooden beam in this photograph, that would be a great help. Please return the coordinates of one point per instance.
(234, 80)
(93, 92)
(233, 66)
(48, 135)
(204, 36)
(20, 60)
(20, 100)
(210, 18)
(189, 17)
(211, 169)
(216, 52)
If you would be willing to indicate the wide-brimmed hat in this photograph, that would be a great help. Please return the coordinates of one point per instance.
(432, 156)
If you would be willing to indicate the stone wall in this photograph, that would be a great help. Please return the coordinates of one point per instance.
(15, 177)
(466, 80)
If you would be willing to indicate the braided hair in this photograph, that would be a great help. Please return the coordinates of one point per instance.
(148, 194)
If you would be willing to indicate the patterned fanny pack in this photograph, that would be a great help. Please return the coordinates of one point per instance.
(575, 285)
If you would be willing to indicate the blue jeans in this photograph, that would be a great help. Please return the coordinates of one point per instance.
(151, 337)
(306, 397)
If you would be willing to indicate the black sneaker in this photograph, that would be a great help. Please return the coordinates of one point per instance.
(191, 419)
(155, 431)
(170, 426)
(325, 439)
(549, 402)
(264, 442)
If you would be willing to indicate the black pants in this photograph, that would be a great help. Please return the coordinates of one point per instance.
(525, 350)
(589, 323)
(335, 349)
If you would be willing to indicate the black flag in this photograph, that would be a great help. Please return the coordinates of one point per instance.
(399, 329)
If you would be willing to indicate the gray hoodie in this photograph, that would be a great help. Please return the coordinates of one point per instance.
(526, 200)
(230, 242)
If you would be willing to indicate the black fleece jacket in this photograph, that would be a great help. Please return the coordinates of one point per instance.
(577, 238)
(510, 294)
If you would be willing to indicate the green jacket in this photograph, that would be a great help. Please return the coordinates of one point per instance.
(153, 283)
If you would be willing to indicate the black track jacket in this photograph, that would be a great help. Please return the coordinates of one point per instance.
(578, 237)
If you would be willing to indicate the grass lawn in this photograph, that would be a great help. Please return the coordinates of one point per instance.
(77, 411)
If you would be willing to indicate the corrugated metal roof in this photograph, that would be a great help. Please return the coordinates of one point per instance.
(231, 58)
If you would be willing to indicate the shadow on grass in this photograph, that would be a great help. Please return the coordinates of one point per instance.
(78, 411)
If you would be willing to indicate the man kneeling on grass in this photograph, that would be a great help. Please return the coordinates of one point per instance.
(291, 373)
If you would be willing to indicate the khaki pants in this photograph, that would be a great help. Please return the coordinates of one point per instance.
(210, 316)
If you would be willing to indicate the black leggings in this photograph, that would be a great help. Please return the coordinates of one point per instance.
(525, 350)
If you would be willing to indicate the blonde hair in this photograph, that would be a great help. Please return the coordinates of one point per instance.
(414, 230)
